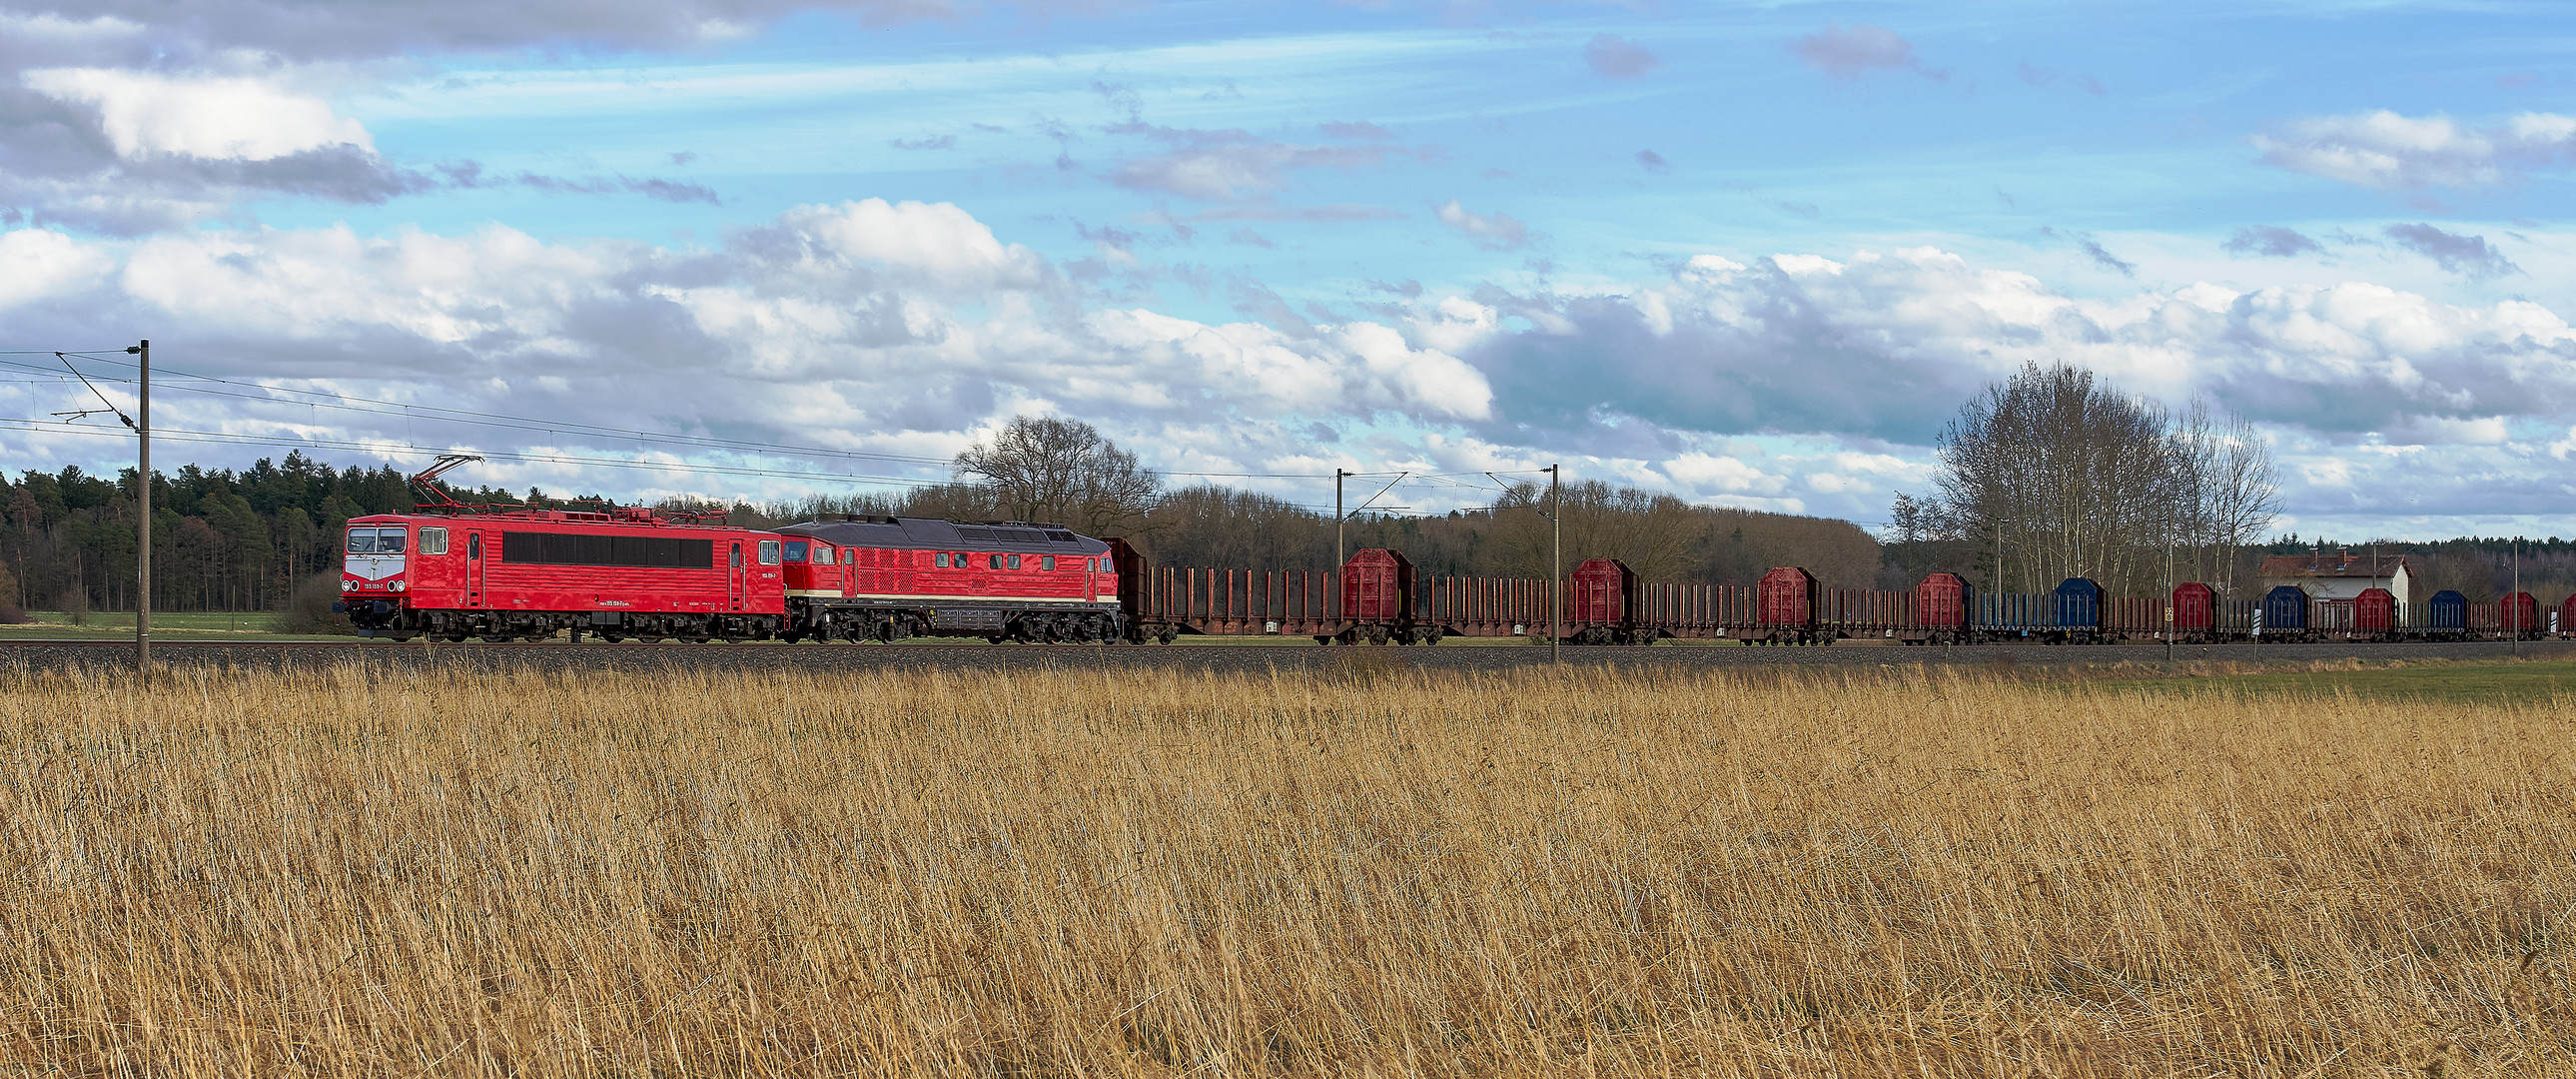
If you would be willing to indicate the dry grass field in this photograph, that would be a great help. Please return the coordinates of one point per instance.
(1376, 873)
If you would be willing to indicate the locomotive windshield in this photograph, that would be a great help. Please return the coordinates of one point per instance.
(375, 541)
(796, 550)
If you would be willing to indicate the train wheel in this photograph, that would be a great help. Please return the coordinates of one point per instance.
(404, 639)
(1170, 634)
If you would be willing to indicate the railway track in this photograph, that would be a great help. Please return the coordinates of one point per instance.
(95, 655)
(159, 644)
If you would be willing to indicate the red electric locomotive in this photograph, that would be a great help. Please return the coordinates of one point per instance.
(888, 578)
(527, 574)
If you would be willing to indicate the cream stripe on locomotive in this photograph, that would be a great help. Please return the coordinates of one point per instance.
(933, 599)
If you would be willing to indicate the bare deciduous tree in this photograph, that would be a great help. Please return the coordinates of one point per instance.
(2054, 475)
(1041, 468)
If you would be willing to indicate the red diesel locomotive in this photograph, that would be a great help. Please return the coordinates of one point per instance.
(888, 578)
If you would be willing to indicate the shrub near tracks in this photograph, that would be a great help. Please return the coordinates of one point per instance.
(1370, 869)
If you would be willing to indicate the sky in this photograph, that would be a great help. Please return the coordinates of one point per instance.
(1754, 255)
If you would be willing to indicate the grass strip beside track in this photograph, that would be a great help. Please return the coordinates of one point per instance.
(2491, 682)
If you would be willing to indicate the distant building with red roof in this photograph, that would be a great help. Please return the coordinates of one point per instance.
(2342, 575)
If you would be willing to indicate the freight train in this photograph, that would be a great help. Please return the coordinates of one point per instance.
(450, 572)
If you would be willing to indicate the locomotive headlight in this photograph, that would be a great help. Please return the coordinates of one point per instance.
(348, 586)
(400, 586)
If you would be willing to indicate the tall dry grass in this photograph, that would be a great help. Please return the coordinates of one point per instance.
(1380, 872)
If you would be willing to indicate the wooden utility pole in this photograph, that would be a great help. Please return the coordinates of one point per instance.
(143, 504)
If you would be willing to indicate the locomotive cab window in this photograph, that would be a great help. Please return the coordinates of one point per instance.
(433, 541)
(849, 556)
(769, 552)
(795, 550)
(375, 541)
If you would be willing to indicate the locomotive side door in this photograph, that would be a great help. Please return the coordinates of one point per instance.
(733, 579)
(474, 569)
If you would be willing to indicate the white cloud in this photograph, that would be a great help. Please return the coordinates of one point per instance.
(38, 264)
(203, 116)
(2387, 150)
(482, 290)
(1228, 166)
(1357, 368)
(1722, 475)
(1499, 231)
(939, 241)
(2325, 473)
